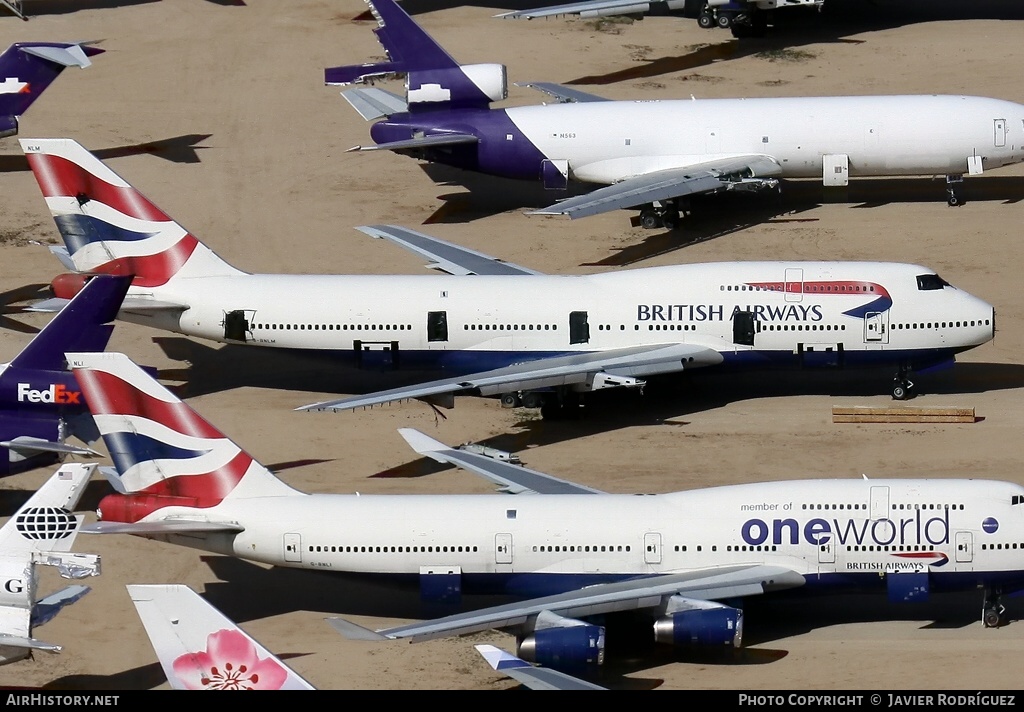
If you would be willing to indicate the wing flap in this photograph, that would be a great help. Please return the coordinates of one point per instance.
(595, 8)
(631, 594)
(516, 479)
(446, 256)
(667, 184)
(433, 141)
(535, 678)
(372, 103)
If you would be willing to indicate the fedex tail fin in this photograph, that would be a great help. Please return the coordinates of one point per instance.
(27, 69)
(84, 324)
(166, 454)
(109, 227)
(434, 79)
(202, 649)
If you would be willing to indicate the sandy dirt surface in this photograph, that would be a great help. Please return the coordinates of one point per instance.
(252, 159)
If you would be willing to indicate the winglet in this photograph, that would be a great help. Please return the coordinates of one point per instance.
(423, 444)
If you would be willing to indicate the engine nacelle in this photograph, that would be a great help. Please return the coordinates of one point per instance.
(711, 627)
(563, 643)
(471, 84)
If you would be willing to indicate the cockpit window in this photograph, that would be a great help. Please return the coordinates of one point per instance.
(926, 282)
(1017, 499)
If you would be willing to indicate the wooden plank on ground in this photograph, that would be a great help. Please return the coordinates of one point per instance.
(901, 414)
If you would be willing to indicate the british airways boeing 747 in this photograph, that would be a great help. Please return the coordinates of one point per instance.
(494, 328)
(652, 155)
(568, 553)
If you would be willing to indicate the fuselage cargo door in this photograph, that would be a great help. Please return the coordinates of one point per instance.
(579, 328)
(503, 548)
(652, 548)
(794, 284)
(835, 170)
(293, 547)
(964, 547)
(554, 174)
(876, 327)
(238, 325)
(999, 130)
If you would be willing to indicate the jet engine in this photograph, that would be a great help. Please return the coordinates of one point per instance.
(467, 85)
(689, 622)
(563, 643)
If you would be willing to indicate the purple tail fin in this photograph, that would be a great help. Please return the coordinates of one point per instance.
(27, 69)
(83, 325)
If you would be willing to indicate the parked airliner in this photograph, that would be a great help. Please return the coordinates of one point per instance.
(496, 328)
(652, 155)
(569, 554)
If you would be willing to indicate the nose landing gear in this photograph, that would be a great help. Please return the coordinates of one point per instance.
(902, 386)
(953, 197)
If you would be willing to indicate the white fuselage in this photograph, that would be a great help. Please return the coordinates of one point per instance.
(865, 310)
(961, 532)
(606, 142)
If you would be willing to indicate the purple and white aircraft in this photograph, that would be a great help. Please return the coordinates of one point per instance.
(27, 69)
(652, 155)
(40, 401)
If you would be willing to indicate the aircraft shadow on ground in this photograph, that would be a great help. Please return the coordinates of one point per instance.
(33, 8)
(177, 149)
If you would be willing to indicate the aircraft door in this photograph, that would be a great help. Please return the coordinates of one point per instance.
(744, 327)
(827, 552)
(794, 284)
(293, 547)
(879, 503)
(554, 174)
(652, 548)
(964, 547)
(876, 328)
(503, 548)
(579, 329)
(835, 170)
(437, 326)
(999, 131)
(237, 325)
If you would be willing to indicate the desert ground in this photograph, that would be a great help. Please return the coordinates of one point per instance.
(218, 113)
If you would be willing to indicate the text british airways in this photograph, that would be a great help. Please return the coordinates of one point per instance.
(716, 312)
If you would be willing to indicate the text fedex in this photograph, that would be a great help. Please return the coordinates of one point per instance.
(56, 393)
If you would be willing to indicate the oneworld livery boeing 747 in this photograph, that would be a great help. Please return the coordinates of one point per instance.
(569, 554)
(652, 155)
(495, 328)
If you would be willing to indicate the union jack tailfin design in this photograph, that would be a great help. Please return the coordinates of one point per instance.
(108, 226)
(165, 453)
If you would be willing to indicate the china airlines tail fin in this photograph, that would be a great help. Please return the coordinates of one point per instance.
(170, 461)
(27, 69)
(108, 226)
(202, 649)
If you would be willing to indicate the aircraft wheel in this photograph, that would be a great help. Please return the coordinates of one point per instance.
(670, 220)
(724, 21)
(706, 20)
(991, 618)
(650, 220)
(532, 400)
(510, 400)
(953, 200)
(900, 392)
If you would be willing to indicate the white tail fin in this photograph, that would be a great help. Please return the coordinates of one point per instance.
(45, 522)
(110, 227)
(202, 649)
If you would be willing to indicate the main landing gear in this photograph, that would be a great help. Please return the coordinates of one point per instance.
(562, 404)
(953, 197)
(993, 612)
(744, 22)
(902, 386)
(667, 214)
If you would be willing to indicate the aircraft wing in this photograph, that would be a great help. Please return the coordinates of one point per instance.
(593, 8)
(515, 479)
(565, 95)
(446, 256)
(749, 172)
(614, 367)
(432, 141)
(631, 594)
(18, 641)
(532, 676)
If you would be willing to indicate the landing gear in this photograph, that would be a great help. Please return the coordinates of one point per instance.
(706, 19)
(953, 198)
(993, 612)
(511, 400)
(665, 215)
(724, 20)
(902, 386)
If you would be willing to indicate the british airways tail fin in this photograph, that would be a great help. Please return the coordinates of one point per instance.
(202, 649)
(434, 79)
(165, 453)
(84, 324)
(108, 226)
(27, 69)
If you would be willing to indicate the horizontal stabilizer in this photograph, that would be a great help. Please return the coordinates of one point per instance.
(422, 142)
(69, 56)
(373, 103)
(353, 631)
(593, 8)
(17, 641)
(180, 526)
(535, 678)
(565, 95)
(46, 609)
(515, 479)
(357, 73)
(447, 257)
(62, 254)
(26, 444)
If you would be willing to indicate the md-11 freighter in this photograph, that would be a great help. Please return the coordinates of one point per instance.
(568, 554)
(495, 328)
(653, 155)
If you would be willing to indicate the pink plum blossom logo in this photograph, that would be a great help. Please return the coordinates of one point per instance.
(230, 662)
